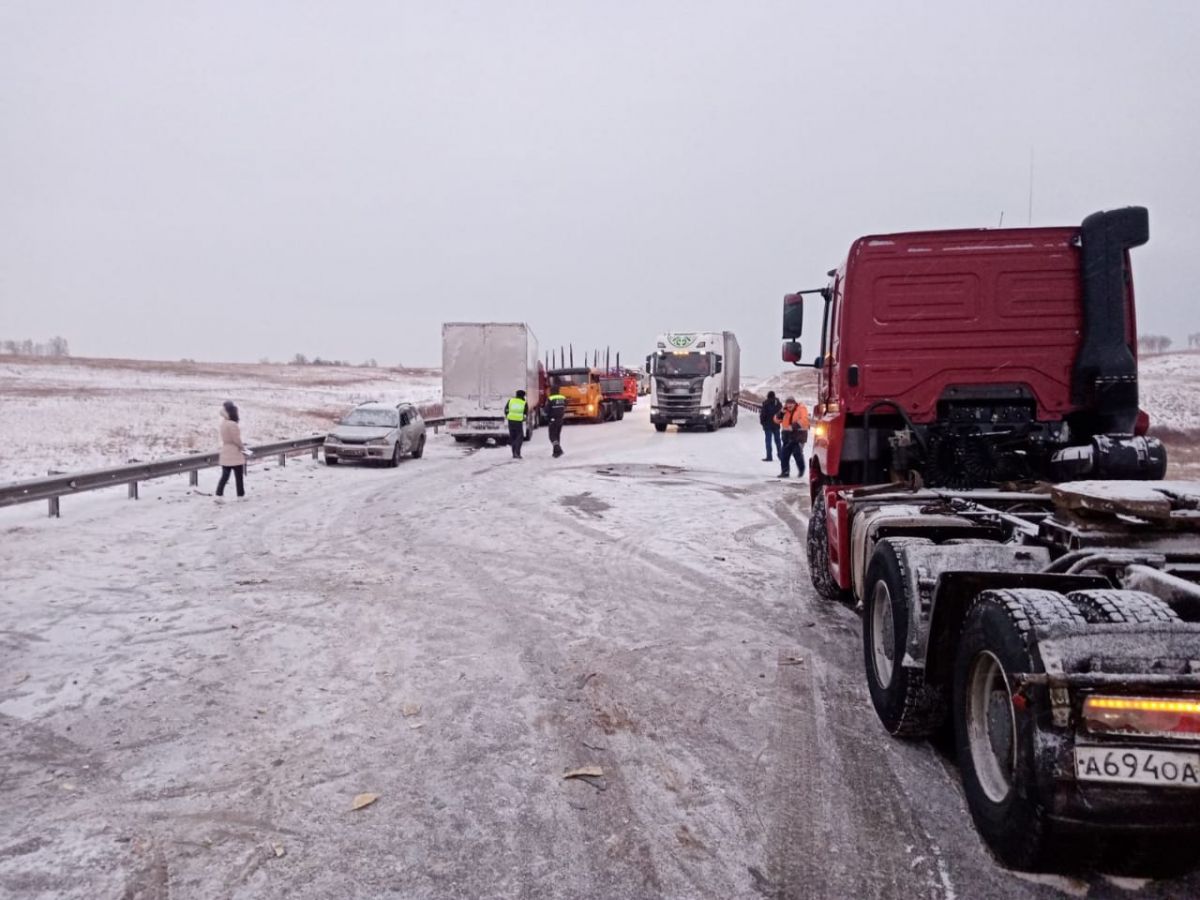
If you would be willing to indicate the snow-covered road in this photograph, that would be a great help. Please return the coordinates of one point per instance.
(192, 694)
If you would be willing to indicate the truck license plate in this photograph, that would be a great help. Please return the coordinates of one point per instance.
(1131, 765)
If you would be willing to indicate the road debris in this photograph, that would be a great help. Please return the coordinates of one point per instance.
(362, 800)
(584, 772)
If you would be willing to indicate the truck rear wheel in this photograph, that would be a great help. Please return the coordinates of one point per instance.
(996, 746)
(818, 554)
(1116, 607)
(906, 705)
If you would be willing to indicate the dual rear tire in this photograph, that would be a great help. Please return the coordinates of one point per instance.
(995, 717)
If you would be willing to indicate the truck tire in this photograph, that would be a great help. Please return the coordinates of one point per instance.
(817, 543)
(660, 427)
(906, 704)
(628, 406)
(996, 747)
(1122, 607)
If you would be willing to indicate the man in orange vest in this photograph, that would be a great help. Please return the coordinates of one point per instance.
(793, 423)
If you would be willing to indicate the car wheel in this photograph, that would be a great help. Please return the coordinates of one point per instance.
(395, 460)
(330, 460)
(420, 451)
(660, 427)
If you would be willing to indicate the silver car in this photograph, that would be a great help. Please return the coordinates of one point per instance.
(382, 432)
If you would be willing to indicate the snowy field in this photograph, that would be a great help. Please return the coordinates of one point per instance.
(192, 695)
(75, 414)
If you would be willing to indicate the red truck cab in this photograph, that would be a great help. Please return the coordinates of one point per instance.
(971, 357)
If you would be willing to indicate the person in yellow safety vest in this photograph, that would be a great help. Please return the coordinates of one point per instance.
(515, 411)
(556, 407)
(793, 423)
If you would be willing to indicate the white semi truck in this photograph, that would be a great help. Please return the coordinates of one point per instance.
(483, 365)
(695, 379)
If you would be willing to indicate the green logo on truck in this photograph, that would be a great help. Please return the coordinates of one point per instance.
(682, 340)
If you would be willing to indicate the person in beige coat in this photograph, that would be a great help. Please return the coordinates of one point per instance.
(233, 451)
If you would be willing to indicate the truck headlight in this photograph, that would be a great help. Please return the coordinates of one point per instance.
(706, 409)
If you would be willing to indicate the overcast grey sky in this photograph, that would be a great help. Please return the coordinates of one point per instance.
(233, 180)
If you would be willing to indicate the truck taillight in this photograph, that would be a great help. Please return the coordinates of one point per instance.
(1141, 425)
(1167, 716)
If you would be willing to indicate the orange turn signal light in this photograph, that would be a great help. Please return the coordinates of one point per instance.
(1169, 716)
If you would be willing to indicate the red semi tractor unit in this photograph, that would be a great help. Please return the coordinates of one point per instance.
(984, 489)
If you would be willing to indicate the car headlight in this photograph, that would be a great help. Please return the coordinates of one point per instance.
(331, 439)
(378, 442)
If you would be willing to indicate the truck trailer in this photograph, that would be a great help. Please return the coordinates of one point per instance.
(695, 379)
(985, 490)
(483, 365)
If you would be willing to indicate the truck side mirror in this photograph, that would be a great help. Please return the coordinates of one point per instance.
(792, 353)
(793, 316)
(716, 365)
(649, 366)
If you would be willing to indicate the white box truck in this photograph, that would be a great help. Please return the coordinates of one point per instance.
(695, 379)
(483, 364)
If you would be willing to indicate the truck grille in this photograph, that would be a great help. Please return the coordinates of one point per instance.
(679, 403)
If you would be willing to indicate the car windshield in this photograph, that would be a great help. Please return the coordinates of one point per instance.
(676, 364)
(372, 418)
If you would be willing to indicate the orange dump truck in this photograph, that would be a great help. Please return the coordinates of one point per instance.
(585, 396)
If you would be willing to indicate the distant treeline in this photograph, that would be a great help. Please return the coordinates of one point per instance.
(56, 346)
(301, 360)
(1160, 343)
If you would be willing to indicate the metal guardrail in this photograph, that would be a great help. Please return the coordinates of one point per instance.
(53, 487)
(748, 402)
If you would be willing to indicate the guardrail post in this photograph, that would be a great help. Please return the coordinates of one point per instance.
(194, 478)
(283, 459)
(133, 490)
(315, 451)
(54, 511)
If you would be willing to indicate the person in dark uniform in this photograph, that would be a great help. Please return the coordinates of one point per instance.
(766, 416)
(556, 408)
(515, 411)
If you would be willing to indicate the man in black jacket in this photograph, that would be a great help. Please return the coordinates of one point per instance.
(556, 409)
(770, 409)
